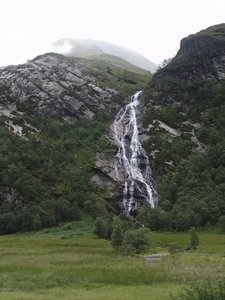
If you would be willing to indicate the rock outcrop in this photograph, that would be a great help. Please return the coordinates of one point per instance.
(201, 57)
(180, 93)
(54, 86)
(7, 194)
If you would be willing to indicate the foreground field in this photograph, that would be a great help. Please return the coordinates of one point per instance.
(70, 263)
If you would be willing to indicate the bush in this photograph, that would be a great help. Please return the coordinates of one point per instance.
(194, 241)
(102, 228)
(174, 248)
(117, 236)
(222, 223)
(8, 223)
(137, 240)
(154, 219)
(203, 290)
(37, 223)
(128, 238)
(126, 250)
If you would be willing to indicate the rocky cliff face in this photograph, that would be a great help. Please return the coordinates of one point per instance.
(178, 89)
(180, 93)
(201, 56)
(54, 86)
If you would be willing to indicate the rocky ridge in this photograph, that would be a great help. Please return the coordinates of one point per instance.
(201, 57)
(54, 86)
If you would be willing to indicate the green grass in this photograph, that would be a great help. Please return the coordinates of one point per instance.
(70, 263)
(93, 293)
(114, 62)
(113, 72)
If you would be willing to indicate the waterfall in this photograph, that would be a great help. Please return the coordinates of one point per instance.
(139, 184)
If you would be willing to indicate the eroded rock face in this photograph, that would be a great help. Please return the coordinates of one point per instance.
(201, 57)
(52, 85)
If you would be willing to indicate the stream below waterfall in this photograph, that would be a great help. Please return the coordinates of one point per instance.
(138, 181)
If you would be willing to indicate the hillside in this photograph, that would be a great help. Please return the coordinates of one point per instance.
(184, 129)
(87, 48)
(111, 61)
(54, 114)
(58, 149)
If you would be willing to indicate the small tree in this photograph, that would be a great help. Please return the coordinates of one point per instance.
(117, 237)
(164, 63)
(137, 240)
(174, 248)
(75, 211)
(101, 228)
(167, 205)
(222, 223)
(194, 240)
(37, 223)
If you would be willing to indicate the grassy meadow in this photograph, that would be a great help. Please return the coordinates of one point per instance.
(69, 262)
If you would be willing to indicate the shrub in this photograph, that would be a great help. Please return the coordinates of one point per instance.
(37, 223)
(222, 223)
(137, 240)
(203, 290)
(117, 236)
(194, 241)
(174, 248)
(102, 228)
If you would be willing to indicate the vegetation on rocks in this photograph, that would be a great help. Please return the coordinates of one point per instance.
(79, 246)
(51, 130)
(51, 173)
(50, 141)
(184, 123)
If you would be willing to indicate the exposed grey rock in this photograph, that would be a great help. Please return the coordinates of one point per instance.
(7, 194)
(54, 86)
(201, 57)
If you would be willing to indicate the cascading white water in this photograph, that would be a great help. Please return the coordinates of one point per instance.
(138, 186)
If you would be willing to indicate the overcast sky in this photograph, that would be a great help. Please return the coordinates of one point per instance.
(153, 28)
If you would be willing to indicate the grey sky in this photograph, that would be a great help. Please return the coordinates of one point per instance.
(152, 28)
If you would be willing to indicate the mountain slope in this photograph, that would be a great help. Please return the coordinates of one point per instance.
(85, 48)
(54, 112)
(112, 61)
(54, 85)
(56, 152)
(185, 129)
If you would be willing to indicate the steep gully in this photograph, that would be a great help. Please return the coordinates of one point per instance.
(139, 183)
